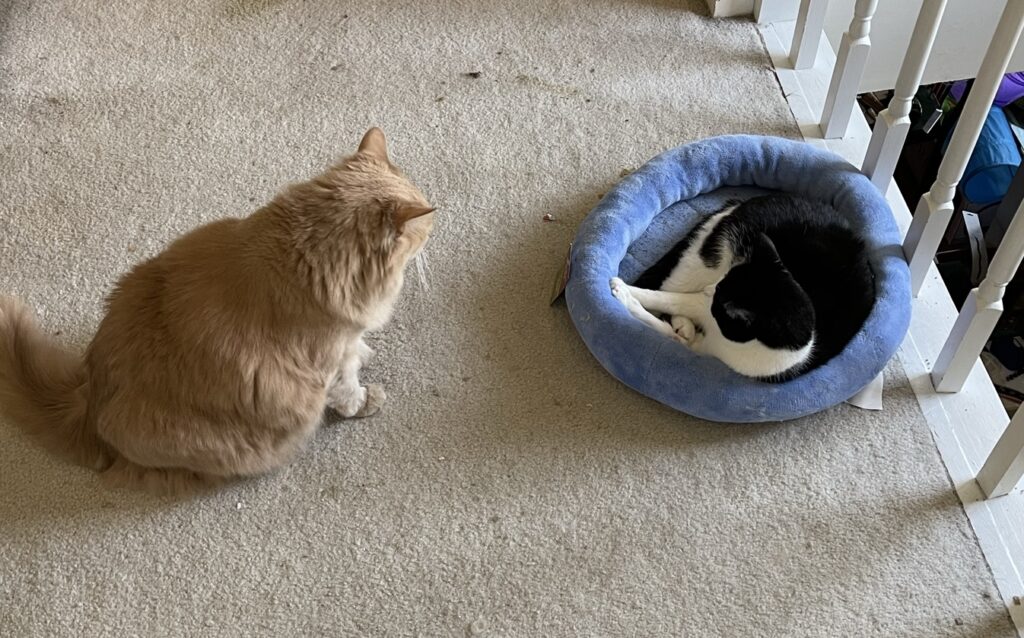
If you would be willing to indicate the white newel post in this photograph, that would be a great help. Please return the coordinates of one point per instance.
(936, 206)
(850, 62)
(981, 311)
(810, 22)
(1005, 464)
(893, 123)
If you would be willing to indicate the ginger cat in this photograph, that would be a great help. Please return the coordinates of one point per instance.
(217, 357)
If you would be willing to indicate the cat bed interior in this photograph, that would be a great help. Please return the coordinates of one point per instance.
(653, 208)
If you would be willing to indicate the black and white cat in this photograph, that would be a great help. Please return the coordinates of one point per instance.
(774, 287)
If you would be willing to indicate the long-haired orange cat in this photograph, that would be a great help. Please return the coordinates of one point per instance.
(217, 357)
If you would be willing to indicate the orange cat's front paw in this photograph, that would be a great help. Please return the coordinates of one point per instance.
(375, 398)
(365, 401)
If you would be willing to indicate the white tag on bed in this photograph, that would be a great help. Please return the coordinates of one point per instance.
(870, 397)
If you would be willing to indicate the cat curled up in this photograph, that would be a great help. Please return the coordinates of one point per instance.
(773, 287)
(216, 358)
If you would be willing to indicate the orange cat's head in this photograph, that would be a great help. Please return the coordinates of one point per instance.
(392, 213)
(358, 223)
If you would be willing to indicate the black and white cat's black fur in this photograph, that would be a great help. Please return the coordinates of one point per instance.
(774, 287)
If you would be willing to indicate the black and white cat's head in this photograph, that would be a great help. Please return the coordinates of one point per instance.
(760, 299)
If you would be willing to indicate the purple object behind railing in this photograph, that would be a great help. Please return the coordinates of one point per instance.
(1010, 89)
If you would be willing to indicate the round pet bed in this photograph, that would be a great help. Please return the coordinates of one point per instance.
(651, 209)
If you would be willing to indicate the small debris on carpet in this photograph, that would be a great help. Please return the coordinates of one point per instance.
(473, 74)
(335, 67)
(958, 622)
(625, 171)
(333, 491)
(439, 99)
(548, 217)
(477, 627)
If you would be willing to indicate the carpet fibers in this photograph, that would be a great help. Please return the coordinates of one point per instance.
(510, 487)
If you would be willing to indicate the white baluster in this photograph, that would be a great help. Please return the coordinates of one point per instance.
(758, 11)
(936, 206)
(1005, 464)
(981, 311)
(893, 124)
(809, 24)
(850, 62)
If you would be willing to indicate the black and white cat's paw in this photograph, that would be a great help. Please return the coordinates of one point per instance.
(686, 331)
(620, 290)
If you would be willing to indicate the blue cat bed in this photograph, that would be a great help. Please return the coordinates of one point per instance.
(653, 208)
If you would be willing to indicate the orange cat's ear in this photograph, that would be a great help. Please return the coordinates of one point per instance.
(374, 144)
(404, 213)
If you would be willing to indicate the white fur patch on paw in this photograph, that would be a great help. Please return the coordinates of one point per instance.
(621, 292)
(685, 329)
(375, 398)
(348, 406)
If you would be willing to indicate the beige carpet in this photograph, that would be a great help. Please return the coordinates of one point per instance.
(511, 487)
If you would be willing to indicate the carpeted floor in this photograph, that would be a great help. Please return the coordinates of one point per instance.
(510, 488)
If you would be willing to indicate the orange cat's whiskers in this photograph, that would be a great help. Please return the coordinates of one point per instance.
(423, 270)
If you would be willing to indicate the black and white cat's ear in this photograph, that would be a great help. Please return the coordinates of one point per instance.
(737, 313)
(375, 144)
(766, 248)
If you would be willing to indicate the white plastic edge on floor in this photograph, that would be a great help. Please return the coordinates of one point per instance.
(965, 425)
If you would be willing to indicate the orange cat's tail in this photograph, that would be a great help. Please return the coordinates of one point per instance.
(43, 388)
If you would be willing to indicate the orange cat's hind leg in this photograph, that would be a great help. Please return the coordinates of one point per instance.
(162, 481)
